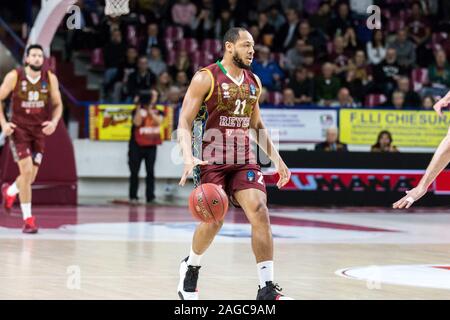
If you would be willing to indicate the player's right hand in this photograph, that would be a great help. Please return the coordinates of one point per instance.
(189, 167)
(411, 196)
(8, 128)
(442, 103)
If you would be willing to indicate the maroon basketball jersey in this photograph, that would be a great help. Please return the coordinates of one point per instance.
(30, 102)
(226, 115)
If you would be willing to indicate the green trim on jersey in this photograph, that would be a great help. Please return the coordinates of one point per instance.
(221, 67)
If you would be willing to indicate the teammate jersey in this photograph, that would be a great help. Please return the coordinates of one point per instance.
(30, 102)
(221, 128)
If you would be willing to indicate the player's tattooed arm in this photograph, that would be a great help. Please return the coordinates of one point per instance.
(6, 88)
(195, 95)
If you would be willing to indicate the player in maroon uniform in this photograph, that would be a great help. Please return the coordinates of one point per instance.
(223, 98)
(32, 118)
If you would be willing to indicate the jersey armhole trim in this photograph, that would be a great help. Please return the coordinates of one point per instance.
(49, 73)
(212, 83)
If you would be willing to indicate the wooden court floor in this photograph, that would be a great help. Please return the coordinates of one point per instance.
(134, 253)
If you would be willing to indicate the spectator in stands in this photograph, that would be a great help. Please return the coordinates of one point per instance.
(145, 136)
(161, 12)
(286, 36)
(397, 99)
(340, 56)
(438, 75)
(266, 30)
(321, 20)
(203, 23)
(428, 103)
(327, 86)
(302, 85)
(359, 76)
(267, 70)
(181, 81)
(225, 22)
(376, 48)
(405, 48)
(412, 98)
(384, 143)
(152, 39)
(288, 97)
(114, 54)
(314, 41)
(183, 13)
(276, 18)
(419, 28)
(163, 86)
(387, 72)
(139, 82)
(294, 56)
(332, 142)
(173, 97)
(344, 99)
(344, 25)
(182, 63)
(129, 66)
(155, 62)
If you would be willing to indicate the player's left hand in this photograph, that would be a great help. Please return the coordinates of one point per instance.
(48, 127)
(411, 196)
(284, 173)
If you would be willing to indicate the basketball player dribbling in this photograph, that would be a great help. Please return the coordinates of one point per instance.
(439, 162)
(225, 96)
(34, 91)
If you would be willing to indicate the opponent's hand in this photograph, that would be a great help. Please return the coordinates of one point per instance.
(189, 167)
(284, 173)
(48, 127)
(8, 128)
(411, 196)
(442, 103)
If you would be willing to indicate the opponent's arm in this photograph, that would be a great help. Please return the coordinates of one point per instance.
(264, 141)
(439, 162)
(5, 90)
(50, 126)
(195, 95)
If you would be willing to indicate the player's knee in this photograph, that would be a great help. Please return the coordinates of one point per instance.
(27, 174)
(261, 214)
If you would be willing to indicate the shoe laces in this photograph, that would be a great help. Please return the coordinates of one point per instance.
(192, 273)
(276, 287)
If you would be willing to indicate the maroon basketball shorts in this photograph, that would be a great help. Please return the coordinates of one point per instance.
(233, 177)
(28, 141)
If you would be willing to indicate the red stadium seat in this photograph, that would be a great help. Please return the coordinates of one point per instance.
(395, 24)
(274, 97)
(419, 77)
(213, 46)
(188, 44)
(174, 33)
(171, 57)
(373, 100)
(97, 61)
(200, 59)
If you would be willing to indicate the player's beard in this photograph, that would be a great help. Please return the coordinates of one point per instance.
(35, 68)
(239, 63)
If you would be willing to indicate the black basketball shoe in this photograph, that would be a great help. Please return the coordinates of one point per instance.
(187, 286)
(271, 292)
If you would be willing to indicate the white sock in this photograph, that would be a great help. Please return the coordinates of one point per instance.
(26, 210)
(265, 272)
(194, 259)
(12, 190)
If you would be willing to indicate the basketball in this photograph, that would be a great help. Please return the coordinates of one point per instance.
(208, 203)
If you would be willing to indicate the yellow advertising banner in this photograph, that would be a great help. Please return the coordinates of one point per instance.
(113, 122)
(409, 128)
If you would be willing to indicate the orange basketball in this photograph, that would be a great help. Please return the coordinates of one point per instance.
(208, 203)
